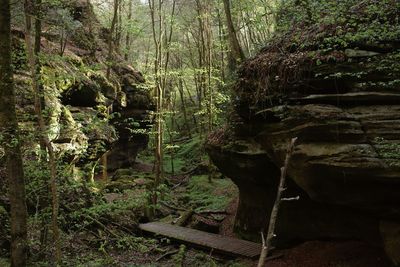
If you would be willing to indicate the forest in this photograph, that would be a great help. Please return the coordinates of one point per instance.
(200, 133)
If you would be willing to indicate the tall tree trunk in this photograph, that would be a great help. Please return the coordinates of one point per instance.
(32, 60)
(209, 45)
(183, 105)
(157, 32)
(128, 34)
(11, 143)
(44, 200)
(221, 44)
(37, 49)
(118, 33)
(237, 54)
(111, 39)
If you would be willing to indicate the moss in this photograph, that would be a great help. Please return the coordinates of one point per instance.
(122, 172)
(323, 47)
(19, 58)
(84, 39)
(191, 151)
(203, 195)
(334, 24)
(179, 164)
(5, 262)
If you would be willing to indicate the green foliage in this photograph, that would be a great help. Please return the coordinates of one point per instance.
(4, 262)
(179, 257)
(129, 206)
(331, 24)
(202, 260)
(191, 151)
(18, 55)
(203, 195)
(186, 155)
(139, 244)
(388, 150)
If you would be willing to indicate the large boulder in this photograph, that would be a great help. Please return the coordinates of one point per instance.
(343, 105)
(133, 118)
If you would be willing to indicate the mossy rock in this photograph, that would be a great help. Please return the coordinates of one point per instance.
(143, 181)
(120, 185)
(123, 174)
(108, 89)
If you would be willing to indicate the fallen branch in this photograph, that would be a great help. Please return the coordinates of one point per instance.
(291, 199)
(266, 242)
(169, 253)
(171, 207)
(184, 218)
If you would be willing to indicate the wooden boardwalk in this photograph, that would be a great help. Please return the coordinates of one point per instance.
(218, 243)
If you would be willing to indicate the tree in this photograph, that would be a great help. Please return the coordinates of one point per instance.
(128, 34)
(267, 242)
(156, 15)
(110, 37)
(35, 76)
(237, 54)
(11, 143)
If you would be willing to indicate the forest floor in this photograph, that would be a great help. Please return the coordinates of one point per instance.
(106, 233)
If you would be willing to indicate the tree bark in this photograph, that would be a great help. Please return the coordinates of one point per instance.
(11, 143)
(128, 34)
(33, 64)
(157, 32)
(111, 39)
(237, 54)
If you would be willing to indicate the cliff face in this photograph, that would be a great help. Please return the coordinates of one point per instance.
(343, 105)
(79, 99)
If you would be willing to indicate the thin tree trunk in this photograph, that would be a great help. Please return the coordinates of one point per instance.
(183, 105)
(274, 213)
(221, 44)
(209, 46)
(11, 143)
(167, 45)
(157, 38)
(118, 34)
(128, 34)
(104, 166)
(37, 49)
(111, 39)
(237, 54)
(44, 200)
(32, 59)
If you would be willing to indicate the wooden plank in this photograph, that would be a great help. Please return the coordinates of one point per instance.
(219, 243)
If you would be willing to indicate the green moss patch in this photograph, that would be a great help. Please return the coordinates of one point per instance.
(203, 195)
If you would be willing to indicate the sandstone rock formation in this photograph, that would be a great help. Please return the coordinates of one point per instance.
(344, 107)
(79, 99)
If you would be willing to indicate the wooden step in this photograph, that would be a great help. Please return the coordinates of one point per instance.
(217, 243)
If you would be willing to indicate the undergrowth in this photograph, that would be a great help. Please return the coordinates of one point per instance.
(314, 33)
(203, 195)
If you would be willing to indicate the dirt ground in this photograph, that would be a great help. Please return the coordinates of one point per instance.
(317, 253)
